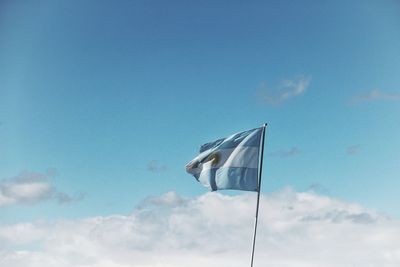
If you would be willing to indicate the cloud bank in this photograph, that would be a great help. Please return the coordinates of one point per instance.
(295, 229)
(32, 188)
(284, 90)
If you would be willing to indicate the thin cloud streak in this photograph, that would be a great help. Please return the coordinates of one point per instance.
(285, 153)
(375, 95)
(63, 198)
(155, 166)
(284, 90)
(353, 149)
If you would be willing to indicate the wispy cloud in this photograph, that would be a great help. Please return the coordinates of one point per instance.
(353, 149)
(340, 216)
(155, 166)
(284, 90)
(63, 198)
(285, 153)
(32, 188)
(317, 188)
(376, 95)
(211, 230)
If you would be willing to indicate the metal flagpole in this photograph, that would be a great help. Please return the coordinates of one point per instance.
(258, 192)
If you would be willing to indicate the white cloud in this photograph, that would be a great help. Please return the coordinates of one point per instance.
(376, 95)
(28, 187)
(31, 188)
(284, 90)
(295, 229)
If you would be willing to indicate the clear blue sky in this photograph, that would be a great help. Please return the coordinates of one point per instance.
(117, 96)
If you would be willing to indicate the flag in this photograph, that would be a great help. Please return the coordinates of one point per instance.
(229, 163)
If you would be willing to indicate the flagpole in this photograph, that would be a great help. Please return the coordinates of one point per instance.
(258, 192)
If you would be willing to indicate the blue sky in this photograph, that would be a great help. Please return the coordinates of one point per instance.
(108, 101)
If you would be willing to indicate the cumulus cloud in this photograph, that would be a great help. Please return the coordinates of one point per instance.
(31, 188)
(295, 229)
(284, 90)
(285, 153)
(376, 95)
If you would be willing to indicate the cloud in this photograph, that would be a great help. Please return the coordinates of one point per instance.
(284, 90)
(317, 188)
(285, 153)
(376, 95)
(63, 198)
(337, 216)
(353, 149)
(169, 199)
(31, 188)
(295, 229)
(155, 166)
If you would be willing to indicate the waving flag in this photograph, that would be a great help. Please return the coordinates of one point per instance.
(229, 163)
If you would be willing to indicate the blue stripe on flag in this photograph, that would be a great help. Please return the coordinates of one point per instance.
(234, 178)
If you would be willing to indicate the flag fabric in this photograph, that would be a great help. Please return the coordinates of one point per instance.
(229, 163)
